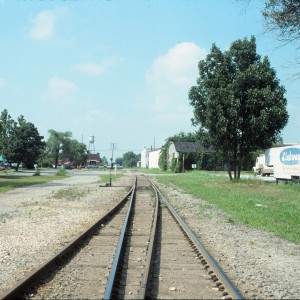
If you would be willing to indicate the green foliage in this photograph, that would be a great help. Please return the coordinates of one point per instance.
(77, 152)
(163, 159)
(176, 165)
(61, 172)
(119, 161)
(130, 159)
(239, 102)
(9, 182)
(210, 162)
(58, 145)
(70, 194)
(20, 140)
(110, 177)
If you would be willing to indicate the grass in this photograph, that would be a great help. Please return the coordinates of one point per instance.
(271, 207)
(9, 181)
(70, 194)
(61, 172)
(106, 178)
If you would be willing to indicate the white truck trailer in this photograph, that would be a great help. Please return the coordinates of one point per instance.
(285, 161)
(261, 168)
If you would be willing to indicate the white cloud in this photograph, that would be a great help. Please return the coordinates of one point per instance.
(92, 68)
(44, 24)
(177, 68)
(170, 78)
(61, 90)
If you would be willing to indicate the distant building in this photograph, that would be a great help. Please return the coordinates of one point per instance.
(153, 156)
(175, 148)
(93, 160)
(184, 148)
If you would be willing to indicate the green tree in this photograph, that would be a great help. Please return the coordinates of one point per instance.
(58, 145)
(6, 126)
(26, 144)
(20, 141)
(239, 101)
(130, 159)
(77, 152)
(119, 161)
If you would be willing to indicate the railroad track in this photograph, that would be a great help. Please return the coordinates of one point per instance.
(140, 249)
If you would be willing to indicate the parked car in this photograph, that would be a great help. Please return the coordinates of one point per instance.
(69, 167)
(14, 165)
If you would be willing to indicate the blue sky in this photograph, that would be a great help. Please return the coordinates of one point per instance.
(121, 70)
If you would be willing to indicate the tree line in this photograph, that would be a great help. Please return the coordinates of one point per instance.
(20, 142)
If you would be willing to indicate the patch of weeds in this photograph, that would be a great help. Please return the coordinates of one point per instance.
(251, 243)
(61, 172)
(162, 204)
(71, 193)
(4, 217)
(230, 221)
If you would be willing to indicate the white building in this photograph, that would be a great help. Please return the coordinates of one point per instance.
(145, 158)
(153, 158)
(149, 158)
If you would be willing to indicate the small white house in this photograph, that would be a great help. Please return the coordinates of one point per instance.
(153, 158)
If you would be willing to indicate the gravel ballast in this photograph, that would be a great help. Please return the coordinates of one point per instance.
(35, 224)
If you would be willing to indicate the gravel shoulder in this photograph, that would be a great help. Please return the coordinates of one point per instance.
(35, 224)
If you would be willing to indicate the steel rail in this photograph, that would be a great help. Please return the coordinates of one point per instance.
(113, 272)
(228, 284)
(21, 287)
(150, 252)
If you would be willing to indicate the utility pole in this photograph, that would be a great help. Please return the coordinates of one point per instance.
(113, 146)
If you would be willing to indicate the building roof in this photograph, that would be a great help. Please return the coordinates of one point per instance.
(190, 147)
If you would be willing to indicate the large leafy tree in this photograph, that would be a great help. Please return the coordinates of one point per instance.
(20, 140)
(58, 145)
(239, 101)
(26, 143)
(77, 152)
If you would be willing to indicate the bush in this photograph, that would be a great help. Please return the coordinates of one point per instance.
(61, 172)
